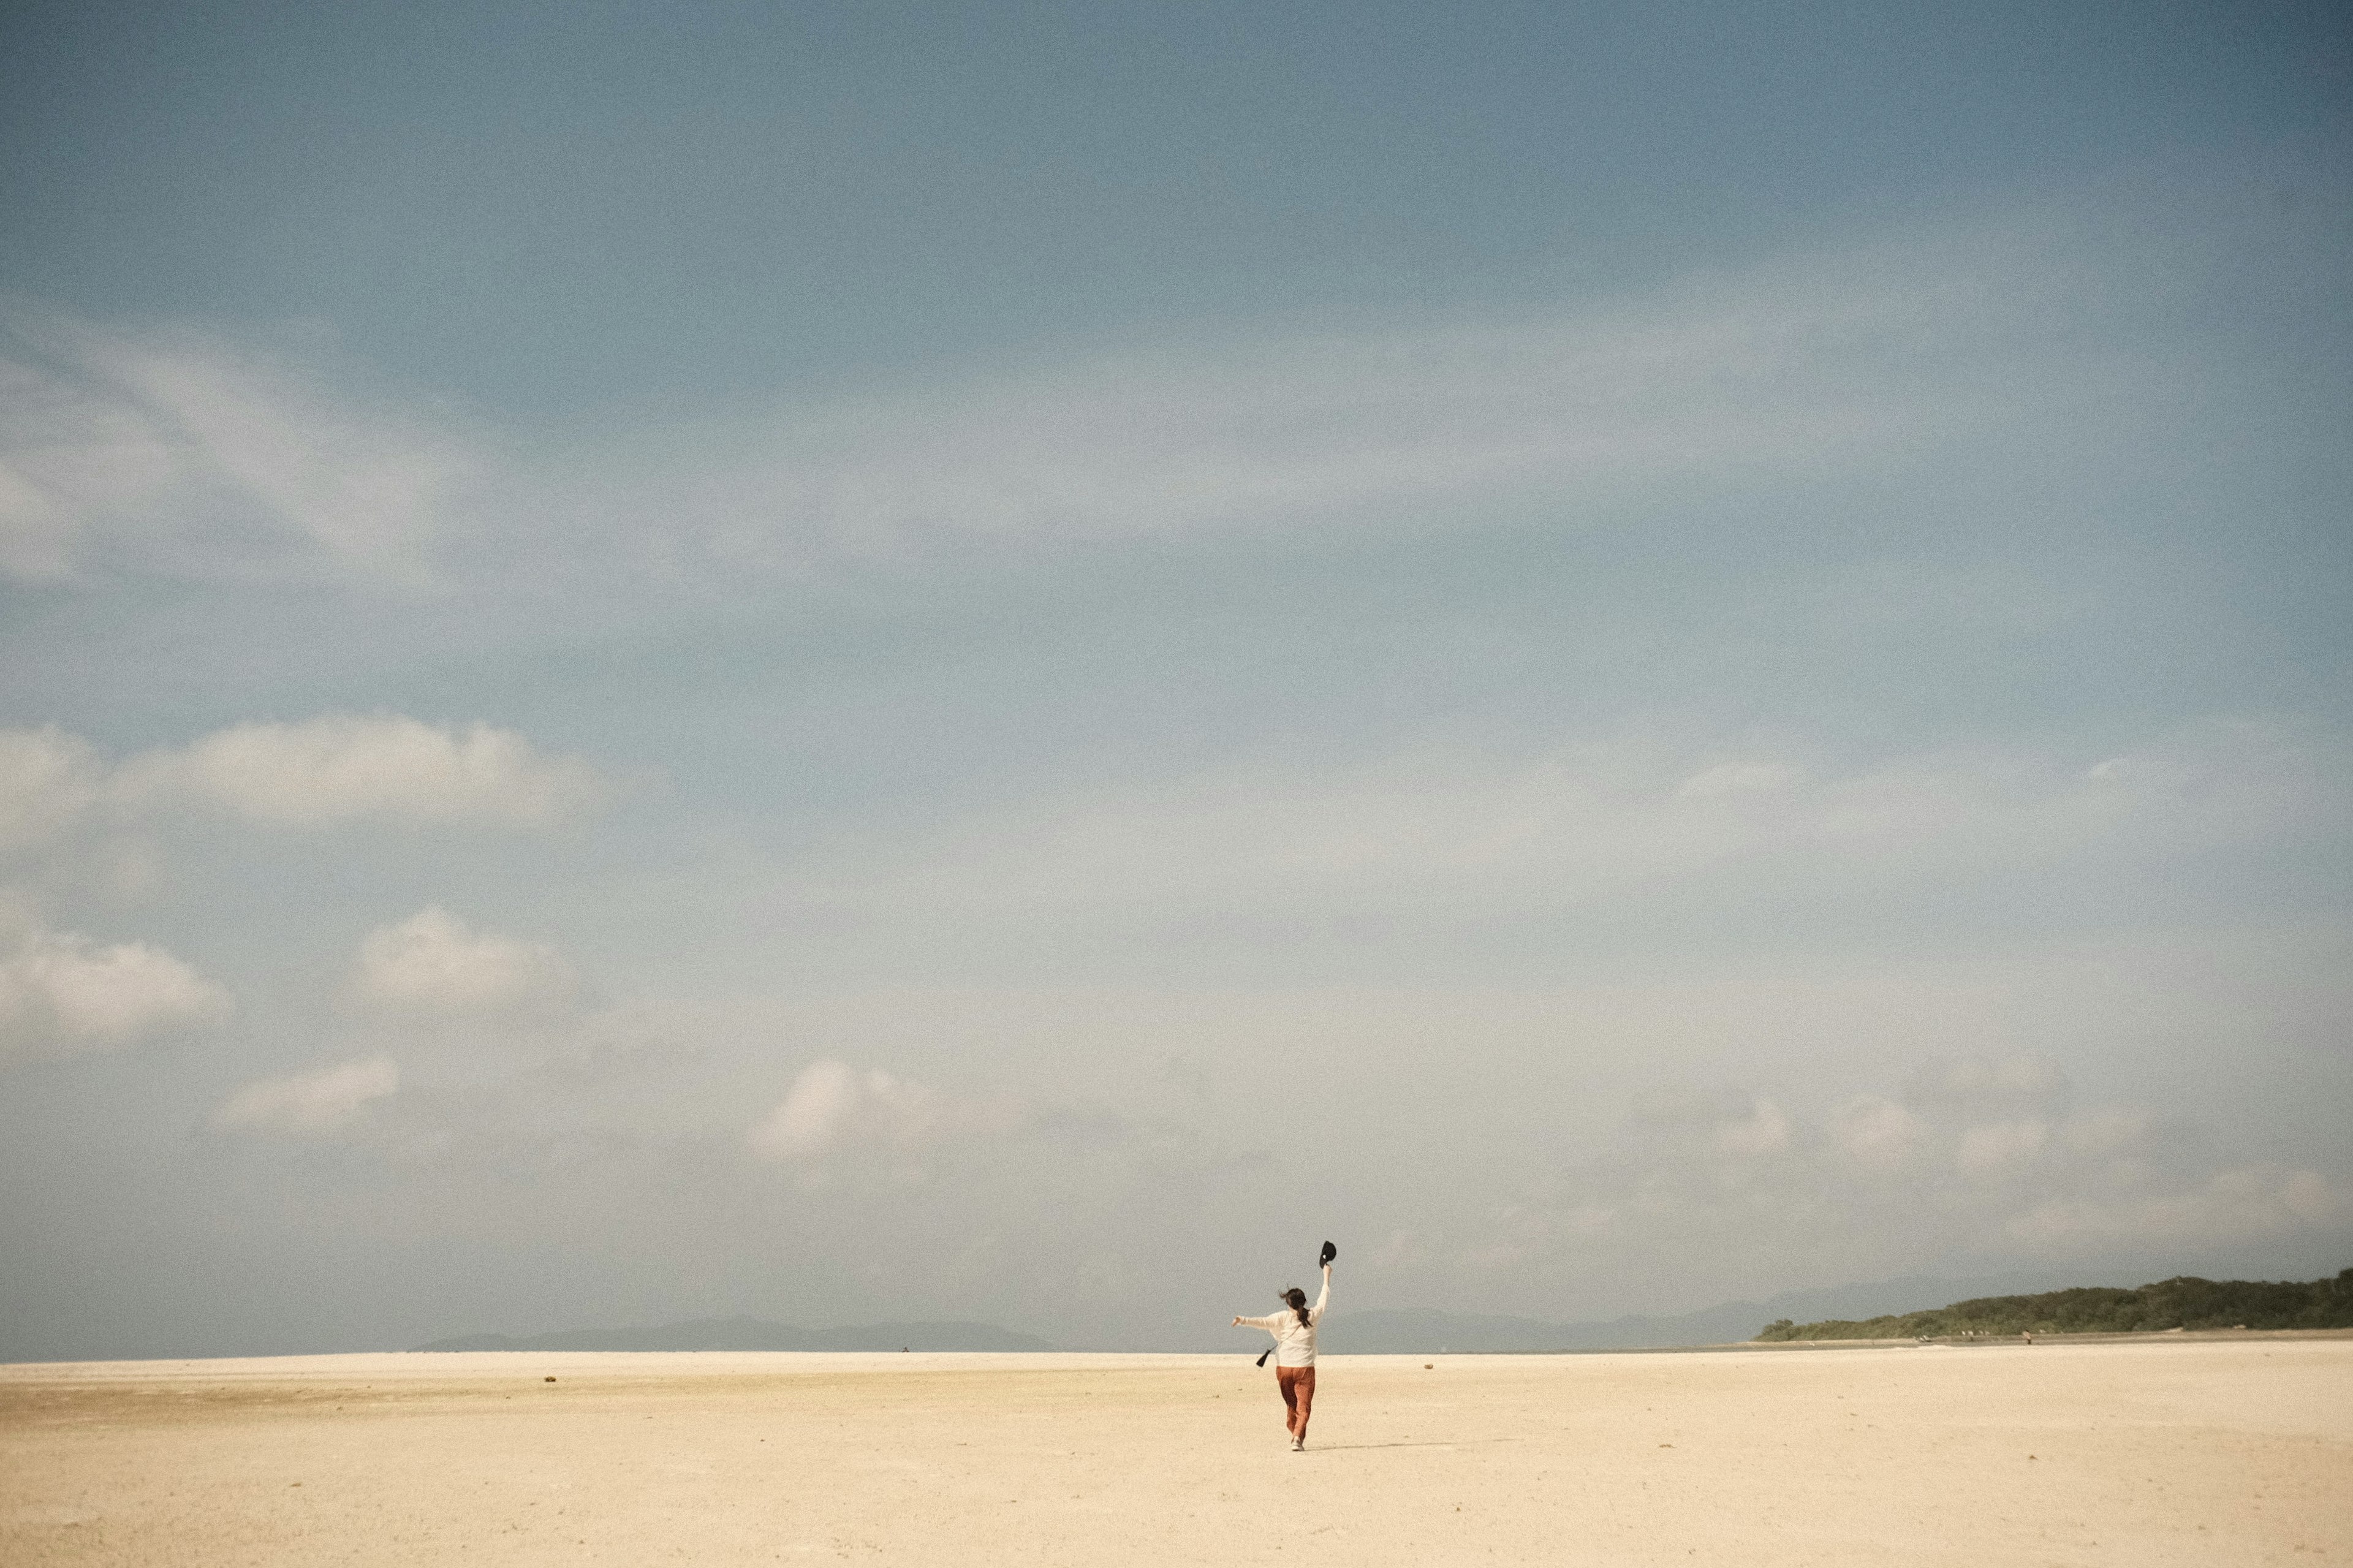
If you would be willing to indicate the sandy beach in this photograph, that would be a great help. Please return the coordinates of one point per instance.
(2198, 1453)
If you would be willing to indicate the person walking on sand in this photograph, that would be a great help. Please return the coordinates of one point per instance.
(1294, 1354)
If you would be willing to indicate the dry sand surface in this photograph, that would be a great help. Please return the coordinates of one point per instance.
(2188, 1453)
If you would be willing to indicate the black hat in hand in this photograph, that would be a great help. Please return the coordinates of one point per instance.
(1330, 1252)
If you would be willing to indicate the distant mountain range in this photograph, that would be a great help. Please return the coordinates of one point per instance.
(1373, 1332)
(756, 1334)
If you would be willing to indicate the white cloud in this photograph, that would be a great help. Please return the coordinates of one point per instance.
(434, 962)
(337, 768)
(312, 1104)
(1876, 1130)
(61, 995)
(384, 767)
(833, 1107)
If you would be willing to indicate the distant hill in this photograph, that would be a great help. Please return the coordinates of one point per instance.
(1423, 1331)
(2182, 1303)
(755, 1334)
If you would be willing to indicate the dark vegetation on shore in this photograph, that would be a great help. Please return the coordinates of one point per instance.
(2184, 1303)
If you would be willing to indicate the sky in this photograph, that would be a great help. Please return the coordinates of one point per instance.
(1005, 662)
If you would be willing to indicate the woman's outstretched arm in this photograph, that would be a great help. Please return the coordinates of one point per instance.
(1316, 1312)
(1274, 1322)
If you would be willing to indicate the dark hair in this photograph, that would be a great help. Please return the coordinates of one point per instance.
(1298, 1301)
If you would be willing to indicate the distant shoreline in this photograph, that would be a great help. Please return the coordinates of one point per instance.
(416, 1357)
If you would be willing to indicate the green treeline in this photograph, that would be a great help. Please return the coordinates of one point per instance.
(2184, 1303)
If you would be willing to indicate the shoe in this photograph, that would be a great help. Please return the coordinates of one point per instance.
(1299, 1445)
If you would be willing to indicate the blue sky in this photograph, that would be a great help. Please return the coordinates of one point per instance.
(1005, 662)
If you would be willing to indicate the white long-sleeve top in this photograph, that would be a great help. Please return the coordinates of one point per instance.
(1294, 1341)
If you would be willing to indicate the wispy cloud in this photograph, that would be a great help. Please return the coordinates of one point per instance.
(166, 450)
(1466, 833)
(1324, 429)
(179, 451)
(312, 1104)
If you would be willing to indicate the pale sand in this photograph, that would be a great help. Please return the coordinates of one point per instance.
(2188, 1453)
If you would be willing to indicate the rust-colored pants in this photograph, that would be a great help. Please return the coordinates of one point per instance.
(1298, 1385)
